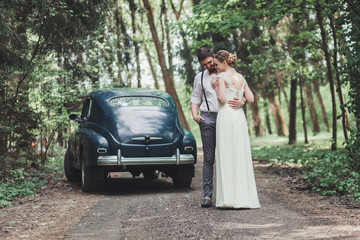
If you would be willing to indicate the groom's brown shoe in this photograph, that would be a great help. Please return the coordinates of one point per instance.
(206, 202)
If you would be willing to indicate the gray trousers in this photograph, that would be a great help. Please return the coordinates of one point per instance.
(208, 137)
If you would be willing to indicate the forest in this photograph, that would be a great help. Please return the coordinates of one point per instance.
(299, 57)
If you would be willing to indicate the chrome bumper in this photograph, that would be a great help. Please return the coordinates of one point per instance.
(118, 160)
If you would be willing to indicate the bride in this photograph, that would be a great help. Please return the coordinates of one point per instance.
(235, 181)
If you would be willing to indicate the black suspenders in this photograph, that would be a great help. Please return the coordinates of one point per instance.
(202, 85)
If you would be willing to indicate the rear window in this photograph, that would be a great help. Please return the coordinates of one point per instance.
(138, 101)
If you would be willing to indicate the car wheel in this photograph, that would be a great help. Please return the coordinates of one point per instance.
(183, 176)
(88, 183)
(151, 174)
(72, 174)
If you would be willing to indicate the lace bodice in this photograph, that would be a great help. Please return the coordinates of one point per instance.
(232, 92)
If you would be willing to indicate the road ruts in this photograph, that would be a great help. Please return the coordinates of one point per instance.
(142, 209)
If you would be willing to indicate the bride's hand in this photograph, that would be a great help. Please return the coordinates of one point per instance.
(214, 83)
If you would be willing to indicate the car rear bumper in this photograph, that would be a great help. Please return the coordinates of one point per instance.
(119, 160)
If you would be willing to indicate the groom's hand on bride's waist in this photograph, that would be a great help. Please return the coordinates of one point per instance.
(236, 103)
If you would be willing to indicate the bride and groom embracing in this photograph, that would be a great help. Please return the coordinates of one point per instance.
(219, 94)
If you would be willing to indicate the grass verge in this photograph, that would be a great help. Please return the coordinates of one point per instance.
(26, 180)
(328, 172)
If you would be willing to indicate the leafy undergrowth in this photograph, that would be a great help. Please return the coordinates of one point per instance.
(325, 171)
(26, 180)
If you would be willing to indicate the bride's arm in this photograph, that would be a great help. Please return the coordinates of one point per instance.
(248, 94)
(220, 92)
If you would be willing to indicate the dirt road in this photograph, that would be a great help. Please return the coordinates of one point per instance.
(138, 209)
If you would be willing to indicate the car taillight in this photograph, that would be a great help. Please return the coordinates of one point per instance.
(101, 150)
(189, 148)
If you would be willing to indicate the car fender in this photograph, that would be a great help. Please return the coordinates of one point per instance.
(90, 141)
(189, 140)
(72, 147)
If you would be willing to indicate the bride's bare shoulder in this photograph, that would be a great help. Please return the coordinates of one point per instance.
(239, 74)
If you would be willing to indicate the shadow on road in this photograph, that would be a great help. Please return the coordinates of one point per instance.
(127, 185)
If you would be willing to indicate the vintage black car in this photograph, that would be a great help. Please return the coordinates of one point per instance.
(129, 129)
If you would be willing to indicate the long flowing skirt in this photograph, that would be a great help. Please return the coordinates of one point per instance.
(235, 180)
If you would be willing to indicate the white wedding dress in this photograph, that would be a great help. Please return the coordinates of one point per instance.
(235, 180)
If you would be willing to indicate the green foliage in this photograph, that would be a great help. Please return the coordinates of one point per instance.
(18, 174)
(288, 154)
(352, 146)
(327, 171)
(40, 65)
(350, 33)
(223, 17)
(26, 181)
(334, 173)
(20, 186)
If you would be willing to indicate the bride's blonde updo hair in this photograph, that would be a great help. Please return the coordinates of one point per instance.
(223, 55)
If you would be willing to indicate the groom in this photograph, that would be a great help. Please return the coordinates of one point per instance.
(208, 107)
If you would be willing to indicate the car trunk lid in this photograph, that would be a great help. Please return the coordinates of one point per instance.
(147, 132)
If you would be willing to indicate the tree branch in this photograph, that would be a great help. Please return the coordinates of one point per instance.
(27, 73)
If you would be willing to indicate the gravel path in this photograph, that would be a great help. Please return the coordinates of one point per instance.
(141, 209)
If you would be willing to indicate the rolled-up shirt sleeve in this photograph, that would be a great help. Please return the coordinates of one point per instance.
(197, 91)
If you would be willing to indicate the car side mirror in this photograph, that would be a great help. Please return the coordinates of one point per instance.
(73, 117)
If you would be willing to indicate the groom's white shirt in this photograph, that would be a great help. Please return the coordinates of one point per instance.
(209, 91)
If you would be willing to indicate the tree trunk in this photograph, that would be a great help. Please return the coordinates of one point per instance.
(329, 72)
(342, 63)
(123, 42)
(258, 128)
(306, 141)
(280, 75)
(108, 57)
(267, 117)
(338, 81)
(292, 111)
(185, 52)
(281, 127)
(60, 138)
(280, 81)
(135, 41)
(312, 110)
(149, 57)
(153, 72)
(268, 123)
(170, 88)
(118, 20)
(322, 105)
(166, 33)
